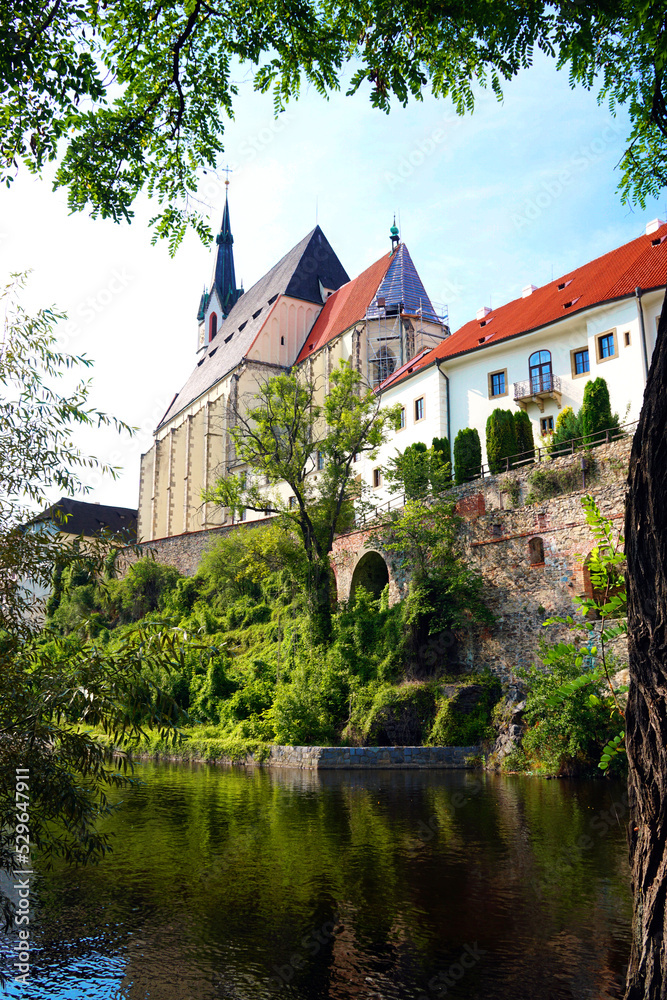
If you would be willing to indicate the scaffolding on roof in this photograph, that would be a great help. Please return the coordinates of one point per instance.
(395, 335)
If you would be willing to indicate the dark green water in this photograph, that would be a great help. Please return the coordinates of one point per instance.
(409, 885)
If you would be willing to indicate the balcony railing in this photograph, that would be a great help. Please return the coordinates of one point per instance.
(537, 385)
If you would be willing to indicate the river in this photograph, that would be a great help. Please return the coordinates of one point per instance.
(404, 885)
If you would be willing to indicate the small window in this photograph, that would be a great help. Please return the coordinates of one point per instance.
(496, 531)
(498, 384)
(536, 552)
(581, 362)
(273, 299)
(401, 424)
(244, 514)
(546, 425)
(320, 461)
(626, 338)
(282, 341)
(212, 326)
(355, 457)
(292, 503)
(377, 477)
(256, 314)
(419, 408)
(606, 346)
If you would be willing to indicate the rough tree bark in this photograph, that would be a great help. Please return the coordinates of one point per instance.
(646, 723)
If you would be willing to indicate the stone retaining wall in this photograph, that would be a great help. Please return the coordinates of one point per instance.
(357, 758)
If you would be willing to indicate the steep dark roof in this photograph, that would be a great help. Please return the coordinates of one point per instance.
(224, 276)
(298, 274)
(77, 517)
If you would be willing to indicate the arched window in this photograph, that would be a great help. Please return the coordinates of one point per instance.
(539, 371)
(536, 552)
(385, 365)
(212, 326)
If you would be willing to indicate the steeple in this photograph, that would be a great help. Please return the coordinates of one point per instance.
(395, 238)
(224, 277)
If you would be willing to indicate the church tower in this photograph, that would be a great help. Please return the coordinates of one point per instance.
(215, 305)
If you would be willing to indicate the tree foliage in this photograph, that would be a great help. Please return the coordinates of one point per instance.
(123, 97)
(467, 455)
(500, 439)
(523, 429)
(595, 414)
(278, 435)
(418, 470)
(54, 689)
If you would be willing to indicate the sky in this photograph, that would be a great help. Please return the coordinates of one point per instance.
(518, 193)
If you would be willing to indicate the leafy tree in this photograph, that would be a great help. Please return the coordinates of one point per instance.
(50, 689)
(523, 429)
(276, 440)
(567, 430)
(418, 471)
(500, 439)
(595, 414)
(161, 125)
(467, 455)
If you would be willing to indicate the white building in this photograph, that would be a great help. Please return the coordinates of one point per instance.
(536, 352)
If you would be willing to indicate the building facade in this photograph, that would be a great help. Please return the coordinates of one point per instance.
(535, 353)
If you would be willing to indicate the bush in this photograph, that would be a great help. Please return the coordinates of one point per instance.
(467, 455)
(500, 439)
(441, 447)
(547, 483)
(568, 428)
(523, 430)
(564, 739)
(595, 414)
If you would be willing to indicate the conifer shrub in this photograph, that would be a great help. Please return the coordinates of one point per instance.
(467, 455)
(523, 430)
(595, 414)
(500, 439)
(441, 445)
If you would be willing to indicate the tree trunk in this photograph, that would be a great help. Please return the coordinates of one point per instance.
(646, 740)
(320, 601)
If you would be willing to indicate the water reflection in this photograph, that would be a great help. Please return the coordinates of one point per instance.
(408, 885)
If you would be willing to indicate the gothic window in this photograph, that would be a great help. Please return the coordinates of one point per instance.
(212, 326)
(539, 371)
(385, 365)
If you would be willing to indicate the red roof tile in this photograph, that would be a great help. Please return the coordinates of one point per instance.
(613, 276)
(345, 307)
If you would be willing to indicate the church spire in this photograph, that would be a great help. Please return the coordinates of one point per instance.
(224, 277)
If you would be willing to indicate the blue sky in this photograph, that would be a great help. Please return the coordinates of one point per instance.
(515, 194)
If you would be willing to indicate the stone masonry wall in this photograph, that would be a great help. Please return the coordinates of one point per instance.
(501, 537)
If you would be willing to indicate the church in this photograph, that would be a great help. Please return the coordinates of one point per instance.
(304, 311)
(535, 353)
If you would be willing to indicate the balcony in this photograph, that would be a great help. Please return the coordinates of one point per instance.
(536, 390)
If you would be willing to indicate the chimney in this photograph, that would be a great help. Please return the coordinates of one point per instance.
(484, 311)
(528, 290)
(653, 226)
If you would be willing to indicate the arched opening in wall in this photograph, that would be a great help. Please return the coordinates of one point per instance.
(536, 552)
(212, 326)
(371, 573)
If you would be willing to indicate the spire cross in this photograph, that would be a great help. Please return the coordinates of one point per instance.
(228, 171)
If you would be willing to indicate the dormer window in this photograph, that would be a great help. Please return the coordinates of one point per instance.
(564, 284)
(212, 326)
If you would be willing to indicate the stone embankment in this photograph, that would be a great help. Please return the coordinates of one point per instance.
(351, 758)
(356, 758)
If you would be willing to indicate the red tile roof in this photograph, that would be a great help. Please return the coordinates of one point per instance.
(615, 275)
(345, 307)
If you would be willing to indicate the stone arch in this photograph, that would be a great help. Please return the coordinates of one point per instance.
(371, 572)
